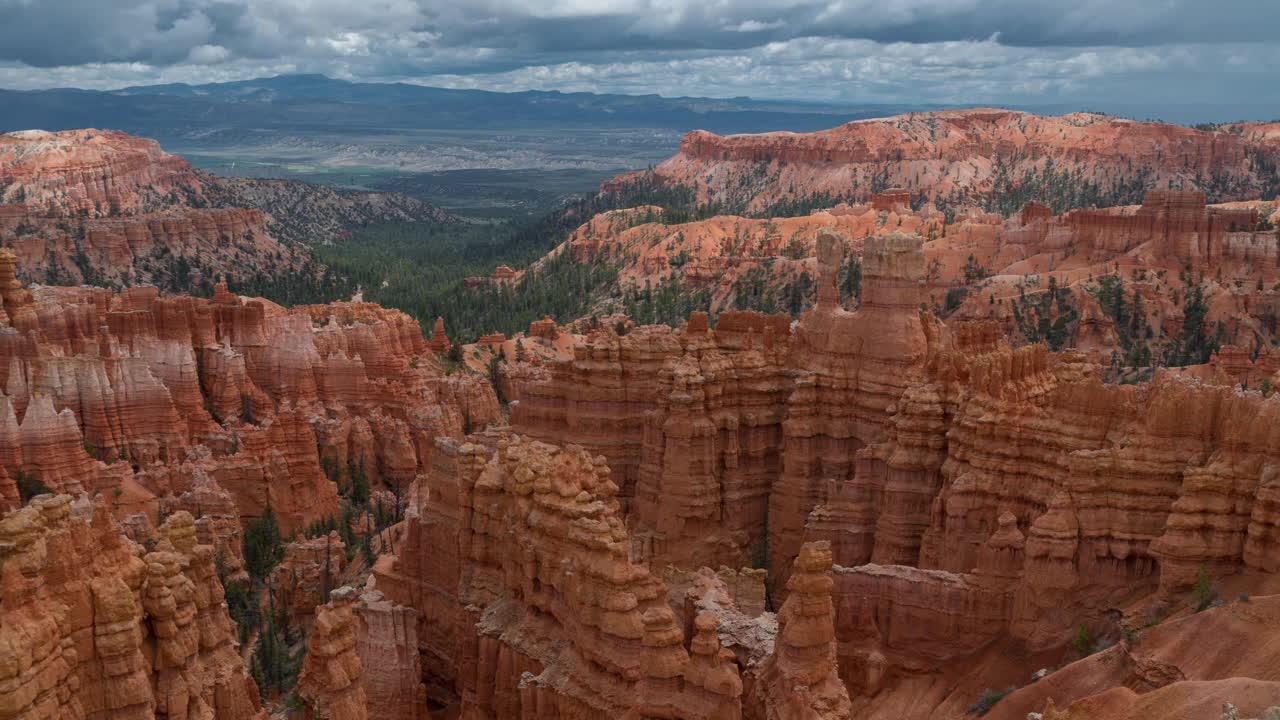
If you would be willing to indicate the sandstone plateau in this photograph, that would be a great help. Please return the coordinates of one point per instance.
(103, 207)
(960, 155)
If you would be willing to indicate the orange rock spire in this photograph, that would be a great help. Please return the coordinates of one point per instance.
(439, 340)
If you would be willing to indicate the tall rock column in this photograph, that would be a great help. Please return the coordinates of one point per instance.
(439, 340)
(332, 681)
(387, 642)
(852, 370)
(830, 247)
(800, 680)
(168, 596)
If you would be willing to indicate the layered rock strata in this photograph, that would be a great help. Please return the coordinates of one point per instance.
(960, 153)
(94, 626)
(137, 395)
(331, 685)
(387, 643)
(95, 206)
(974, 495)
(524, 542)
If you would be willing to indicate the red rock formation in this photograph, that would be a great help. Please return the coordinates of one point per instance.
(92, 171)
(217, 521)
(387, 643)
(978, 496)
(439, 341)
(332, 681)
(698, 682)
(93, 629)
(981, 502)
(567, 626)
(799, 680)
(1035, 212)
(719, 254)
(544, 328)
(94, 206)
(895, 200)
(853, 368)
(248, 394)
(938, 153)
(690, 424)
(309, 571)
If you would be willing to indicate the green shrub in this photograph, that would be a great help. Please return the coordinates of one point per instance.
(1083, 642)
(30, 486)
(955, 296)
(988, 700)
(1204, 590)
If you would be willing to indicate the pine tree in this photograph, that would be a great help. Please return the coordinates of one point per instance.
(263, 548)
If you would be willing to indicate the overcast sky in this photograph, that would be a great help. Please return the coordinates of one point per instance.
(1076, 52)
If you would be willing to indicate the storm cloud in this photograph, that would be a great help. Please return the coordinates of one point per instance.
(944, 51)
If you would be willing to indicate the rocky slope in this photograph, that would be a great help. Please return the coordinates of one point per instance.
(1123, 279)
(961, 155)
(108, 208)
(307, 213)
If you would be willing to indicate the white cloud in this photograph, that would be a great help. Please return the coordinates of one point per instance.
(751, 26)
(207, 54)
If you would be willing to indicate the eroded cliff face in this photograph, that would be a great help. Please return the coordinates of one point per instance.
(959, 153)
(982, 503)
(332, 683)
(1119, 283)
(94, 626)
(724, 254)
(692, 430)
(517, 563)
(141, 397)
(185, 419)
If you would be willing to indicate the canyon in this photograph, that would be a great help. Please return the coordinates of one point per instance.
(982, 502)
(1009, 467)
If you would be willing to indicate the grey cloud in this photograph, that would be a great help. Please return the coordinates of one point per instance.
(48, 33)
(919, 50)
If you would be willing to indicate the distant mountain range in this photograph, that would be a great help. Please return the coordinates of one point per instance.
(318, 103)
